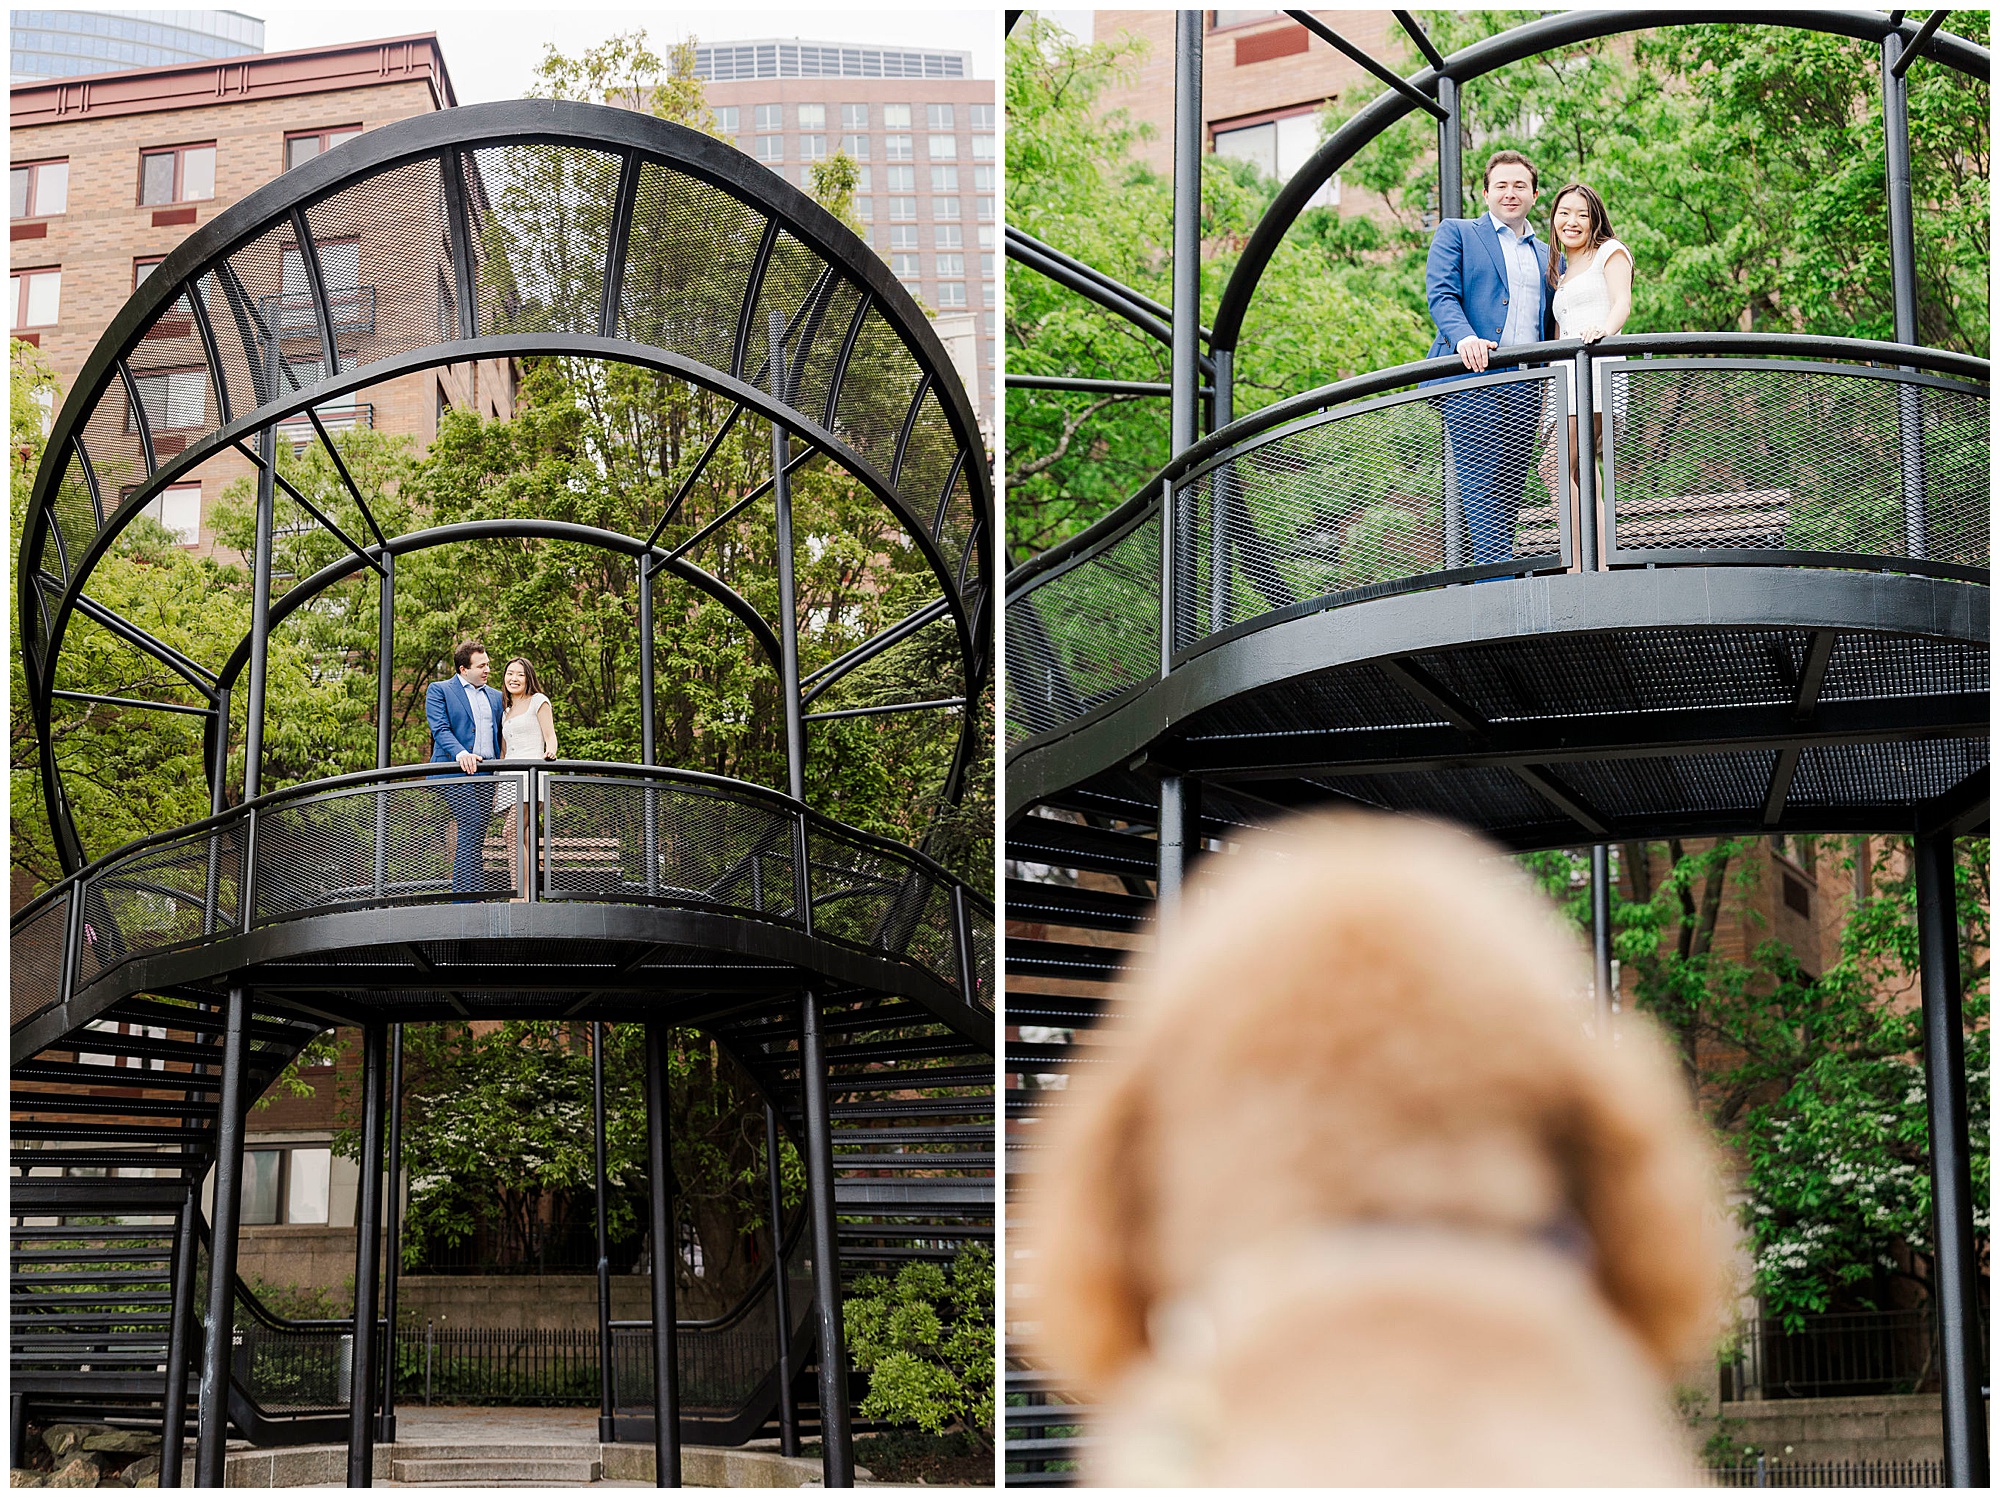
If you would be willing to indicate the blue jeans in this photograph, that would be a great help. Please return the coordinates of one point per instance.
(471, 801)
(1489, 446)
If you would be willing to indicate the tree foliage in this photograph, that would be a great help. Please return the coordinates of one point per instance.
(925, 1340)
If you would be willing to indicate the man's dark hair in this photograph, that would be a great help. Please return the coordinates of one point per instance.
(1510, 158)
(467, 649)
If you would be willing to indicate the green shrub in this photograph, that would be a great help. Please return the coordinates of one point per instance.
(925, 1340)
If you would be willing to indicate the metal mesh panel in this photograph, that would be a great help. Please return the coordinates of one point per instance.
(793, 278)
(956, 522)
(876, 395)
(927, 460)
(1478, 797)
(264, 295)
(866, 896)
(1884, 774)
(36, 954)
(409, 840)
(720, 1367)
(1086, 635)
(1359, 697)
(707, 848)
(156, 899)
(687, 265)
(981, 925)
(382, 246)
(1385, 492)
(117, 459)
(1727, 457)
(176, 385)
(1866, 667)
(814, 352)
(1689, 783)
(544, 228)
(74, 519)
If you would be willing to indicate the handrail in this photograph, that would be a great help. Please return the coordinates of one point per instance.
(1872, 351)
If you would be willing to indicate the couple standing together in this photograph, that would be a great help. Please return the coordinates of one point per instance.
(471, 723)
(1492, 283)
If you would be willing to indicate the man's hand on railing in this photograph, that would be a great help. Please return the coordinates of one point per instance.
(1473, 351)
(468, 761)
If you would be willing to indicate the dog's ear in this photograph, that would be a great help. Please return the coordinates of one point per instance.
(1645, 1183)
(1088, 1227)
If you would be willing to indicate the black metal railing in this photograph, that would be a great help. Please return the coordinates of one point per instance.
(1882, 1472)
(578, 831)
(1715, 449)
(1849, 1353)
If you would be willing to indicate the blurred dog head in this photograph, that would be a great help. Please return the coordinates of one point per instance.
(1366, 1019)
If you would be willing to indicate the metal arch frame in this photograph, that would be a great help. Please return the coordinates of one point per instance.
(441, 137)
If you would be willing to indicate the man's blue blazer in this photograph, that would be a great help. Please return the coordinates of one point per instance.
(450, 717)
(1466, 284)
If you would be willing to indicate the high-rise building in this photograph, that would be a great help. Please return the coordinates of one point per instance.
(925, 134)
(109, 173)
(72, 43)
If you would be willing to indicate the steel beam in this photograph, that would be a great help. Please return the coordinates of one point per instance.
(217, 1354)
(607, 1422)
(367, 1261)
(781, 1288)
(392, 1258)
(836, 1439)
(662, 1223)
(788, 608)
(1185, 371)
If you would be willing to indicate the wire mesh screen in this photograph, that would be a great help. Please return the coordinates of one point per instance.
(176, 386)
(981, 926)
(75, 519)
(544, 227)
(381, 245)
(687, 265)
(158, 898)
(686, 845)
(1386, 492)
(1718, 455)
(876, 396)
(1086, 635)
(865, 895)
(36, 952)
(411, 840)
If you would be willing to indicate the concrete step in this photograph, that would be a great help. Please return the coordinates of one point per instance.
(490, 1451)
(521, 1467)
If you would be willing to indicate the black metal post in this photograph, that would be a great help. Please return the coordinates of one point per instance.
(173, 1410)
(260, 594)
(836, 1439)
(1600, 933)
(1186, 354)
(385, 1427)
(788, 610)
(218, 771)
(1966, 1462)
(1451, 153)
(646, 746)
(1903, 288)
(385, 657)
(218, 1343)
(666, 1252)
(1172, 852)
(1588, 549)
(367, 1256)
(781, 1288)
(607, 1414)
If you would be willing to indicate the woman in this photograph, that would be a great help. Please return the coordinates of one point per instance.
(1592, 275)
(527, 732)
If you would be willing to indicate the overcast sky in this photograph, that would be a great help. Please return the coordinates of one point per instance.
(492, 53)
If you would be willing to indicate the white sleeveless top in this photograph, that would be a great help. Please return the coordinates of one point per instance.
(1584, 298)
(522, 732)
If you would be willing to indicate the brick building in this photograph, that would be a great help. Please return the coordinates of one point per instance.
(925, 135)
(110, 172)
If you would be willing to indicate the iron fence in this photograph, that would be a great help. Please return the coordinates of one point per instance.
(470, 1365)
(1879, 1473)
(1849, 1353)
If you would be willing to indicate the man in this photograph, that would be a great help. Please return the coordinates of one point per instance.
(464, 715)
(1488, 286)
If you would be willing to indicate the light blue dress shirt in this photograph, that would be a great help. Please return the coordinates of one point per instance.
(1523, 255)
(482, 719)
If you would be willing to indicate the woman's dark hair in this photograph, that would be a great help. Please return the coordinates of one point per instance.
(1600, 222)
(527, 670)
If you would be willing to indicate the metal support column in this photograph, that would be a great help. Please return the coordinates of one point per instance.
(666, 1252)
(1600, 934)
(607, 1421)
(173, 1410)
(218, 1342)
(385, 1427)
(367, 1260)
(1179, 838)
(385, 663)
(788, 608)
(1956, 1269)
(1903, 288)
(646, 705)
(1589, 540)
(836, 1440)
(1186, 352)
(1451, 153)
(260, 589)
(781, 1288)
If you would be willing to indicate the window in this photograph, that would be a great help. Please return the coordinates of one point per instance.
(986, 296)
(812, 117)
(944, 179)
(896, 116)
(948, 237)
(986, 320)
(37, 299)
(1279, 148)
(903, 237)
(181, 174)
(339, 267)
(286, 1185)
(864, 209)
(900, 178)
(812, 148)
(172, 398)
(980, 116)
(725, 118)
(984, 207)
(985, 236)
(178, 508)
(770, 117)
(862, 180)
(982, 179)
(904, 267)
(943, 147)
(854, 116)
(855, 146)
(938, 116)
(951, 293)
(982, 148)
(770, 149)
(300, 149)
(951, 265)
(38, 190)
(899, 147)
(903, 210)
(986, 266)
(944, 208)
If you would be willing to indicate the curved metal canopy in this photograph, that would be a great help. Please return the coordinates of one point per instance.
(498, 231)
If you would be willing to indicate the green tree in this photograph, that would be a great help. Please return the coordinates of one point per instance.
(925, 1340)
